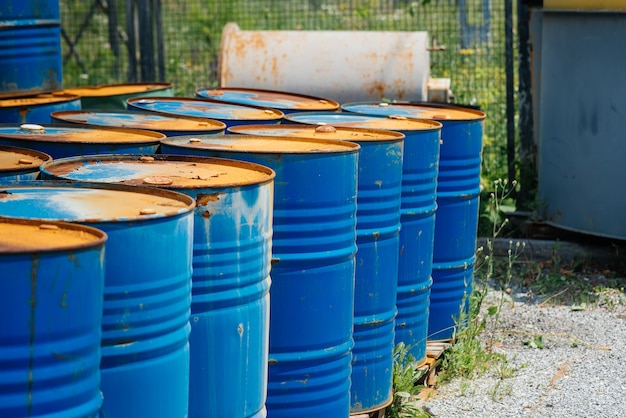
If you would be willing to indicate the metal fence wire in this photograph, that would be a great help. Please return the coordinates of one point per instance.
(117, 41)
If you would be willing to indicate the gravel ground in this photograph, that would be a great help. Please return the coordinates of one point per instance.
(580, 371)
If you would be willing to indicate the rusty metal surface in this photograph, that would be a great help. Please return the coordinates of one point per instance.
(117, 89)
(356, 120)
(15, 158)
(317, 132)
(205, 108)
(139, 120)
(163, 171)
(88, 202)
(429, 111)
(258, 144)
(340, 65)
(77, 134)
(25, 235)
(283, 101)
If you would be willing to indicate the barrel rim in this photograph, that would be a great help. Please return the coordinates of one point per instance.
(187, 200)
(60, 115)
(433, 124)
(152, 137)
(478, 114)
(103, 87)
(348, 147)
(101, 236)
(131, 103)
(55, 97)
(391, 136)
(334, 104)
(269, 173)
(25, 151)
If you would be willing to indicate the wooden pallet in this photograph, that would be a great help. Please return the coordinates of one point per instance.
(434, 353)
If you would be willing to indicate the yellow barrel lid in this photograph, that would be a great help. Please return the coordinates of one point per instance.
(165, 171)
(23, 235)
(79, 134)
(268, 98)
(262, 144)
(40, 99)
(318, 132)
(437, 112)
(15, 158)
(116, 89)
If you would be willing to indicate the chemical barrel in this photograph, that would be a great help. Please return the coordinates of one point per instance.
(51, 310)
(314, 244)
(229, 113)
(20, 163)
(147, 287)
(30, 47)
(35, 109)
(377, 239)
(167, 125)
(284, 101)
(458, 191)
(417, 216)
(71, 140)
(114, 96)
(231, 266)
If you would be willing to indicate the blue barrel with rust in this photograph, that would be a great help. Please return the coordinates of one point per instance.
(417, 215)
(167, 125)
(35, 109)
(51, 314)
(286, 102)
(20, 163)
(30, 47)
(59, 140)
(229, 113)
(114, 96)
(458, 191)
(231, 266)
(313, 265)
(147, 289)
(377, 238)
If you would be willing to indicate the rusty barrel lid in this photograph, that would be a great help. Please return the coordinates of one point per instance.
(205, 108)
(318, 132)
(89, 202)
(78, 134)
(163, 171)
(356, 120)
(117, 89)
(257, 144)
(431, 111)
(17, 159)
(139, 120)
(32, 236)
(38, 100)
(284, 101)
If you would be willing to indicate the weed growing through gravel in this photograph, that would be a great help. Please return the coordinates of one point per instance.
(405, 376)
(468, 357)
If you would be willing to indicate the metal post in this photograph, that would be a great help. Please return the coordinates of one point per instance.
(158, 23)
(528, 174)
(510, 104)
(146, 40)
(130, 45)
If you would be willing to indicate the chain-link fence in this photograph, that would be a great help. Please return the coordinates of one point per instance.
(105, 41)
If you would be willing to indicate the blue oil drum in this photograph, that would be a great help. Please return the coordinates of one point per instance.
(286, 102)
(144, 367)
(60, 140)
(114, 96)
(313, 265)
(150, 121)
(231, 266)
(20, 163)
(51, 316)
(417, 215)
(30, 47)
(378, 231)
(35, 109)
(229, 113)
(458, 191)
